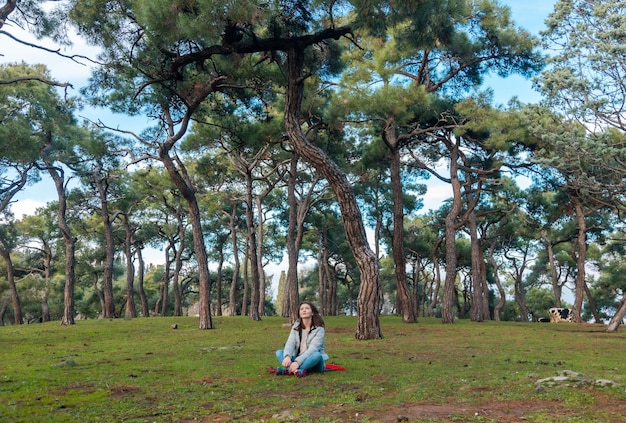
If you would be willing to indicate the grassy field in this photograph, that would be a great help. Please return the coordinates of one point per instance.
(143, 370)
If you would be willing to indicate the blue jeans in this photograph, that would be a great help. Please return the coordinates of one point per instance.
(313, 363)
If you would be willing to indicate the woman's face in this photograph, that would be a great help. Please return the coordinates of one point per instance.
(305, 311)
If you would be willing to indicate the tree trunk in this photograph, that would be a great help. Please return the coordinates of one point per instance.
(322, 264)
(592, 305)
(161, 305)
(232, 309)
(131, 311)
(406, 301)
(145, 308)
(246, 280)
(98, 293)
(15, 298)
(252, 251)
(47, 265)
(218, 281)
(616, 321)
(520, 292)
(556, 286)
(581, 257)
(447, 306)
(496, 275)
(69, 309)
(259, 256)
(434, 300)
(479, 296)
(178, 265)
(291, 298)
(368, 326)
(107, 281)
(188, 193)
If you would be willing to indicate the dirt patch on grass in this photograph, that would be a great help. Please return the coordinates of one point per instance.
(120, 391)
(510, 411)
(514, 411)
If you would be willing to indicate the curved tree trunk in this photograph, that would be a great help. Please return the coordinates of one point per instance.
(368, 326)
(188, 193)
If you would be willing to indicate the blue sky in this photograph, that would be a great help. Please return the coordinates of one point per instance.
(528, 14)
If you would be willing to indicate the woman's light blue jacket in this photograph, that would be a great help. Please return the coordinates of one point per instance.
(315, 342)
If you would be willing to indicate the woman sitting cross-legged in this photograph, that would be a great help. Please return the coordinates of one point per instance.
(304, 350)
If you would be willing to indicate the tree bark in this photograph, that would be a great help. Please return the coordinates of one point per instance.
(107, 281)
(218, 281)
(478, 294)
(47, 265)
(581, 256)
(592, 305)
(15, 298)
(449, 291)
(98, 293)
(69, 308)
(145, 308)
(259, 256)
(616, 321)
(178, 264)
(131, 310)
(496, 275)
(406, 301)
(186, 189)
(232, 309)
(556, 286)
(520, 292)
(252, 251)
(368, 326)
(246, 280)
(290, 300)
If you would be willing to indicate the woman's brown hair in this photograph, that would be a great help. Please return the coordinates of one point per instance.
(316, 319)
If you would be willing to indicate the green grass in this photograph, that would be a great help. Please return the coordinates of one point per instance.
(142, 370)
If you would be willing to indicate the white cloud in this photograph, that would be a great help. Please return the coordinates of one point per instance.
(26, 207)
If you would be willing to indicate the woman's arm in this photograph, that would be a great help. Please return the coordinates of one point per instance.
(292, 344)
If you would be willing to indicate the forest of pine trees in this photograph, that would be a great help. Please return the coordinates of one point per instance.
(307, 133)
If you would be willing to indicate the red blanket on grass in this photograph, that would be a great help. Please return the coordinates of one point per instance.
(329, 367)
